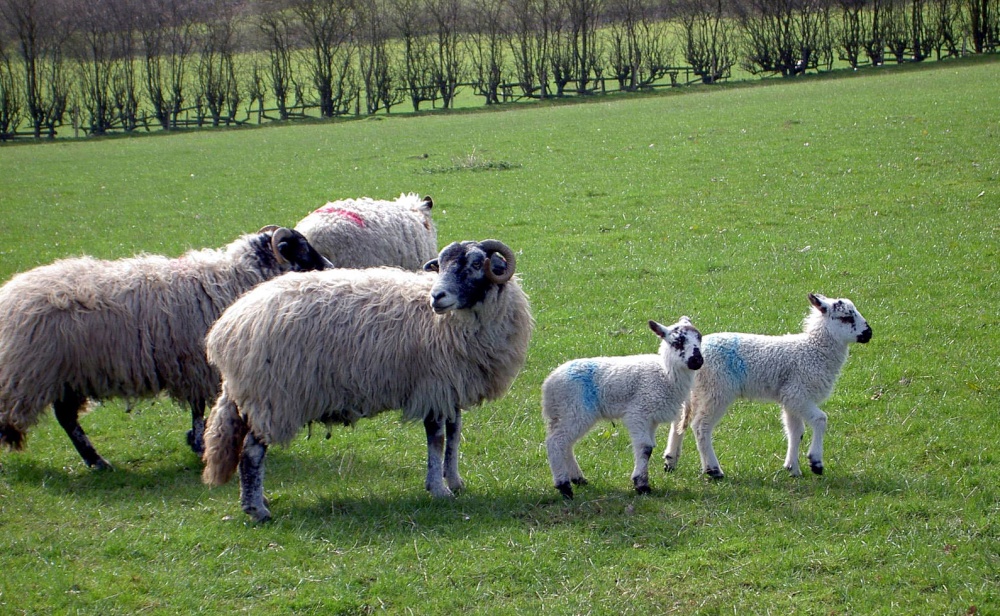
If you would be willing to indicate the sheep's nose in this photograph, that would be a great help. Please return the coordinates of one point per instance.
(865, 336)
(441, 302)
(696, 360)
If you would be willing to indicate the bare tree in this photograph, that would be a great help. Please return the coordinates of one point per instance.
(96, 61)
(639, 53)
(709, 38)
(874, 29)
(530, 41)
(487, 41)
(167, 30)
(418, 66)
(41, 30)
(380, 76)
(947, 22)
(326, 25)
(783, 36)
(219, 87)
(447, 60)
(583, 19)
(984, 24)
(10, 96)
(274, 22)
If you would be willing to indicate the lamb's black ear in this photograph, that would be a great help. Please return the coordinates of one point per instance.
(658, 329)
(431, 266)
(293, 247)
(427, 203)
(818, 301)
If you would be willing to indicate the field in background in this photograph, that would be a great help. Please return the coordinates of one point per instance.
(727, 205)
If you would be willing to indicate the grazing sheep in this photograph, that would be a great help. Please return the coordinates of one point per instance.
(797, 371)
(641, 390)
(341, 345)
(366, 232)
(85, 328)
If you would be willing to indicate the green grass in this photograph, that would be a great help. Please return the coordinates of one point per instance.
(726, 204)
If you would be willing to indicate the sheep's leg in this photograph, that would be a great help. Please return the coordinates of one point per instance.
(672, 454)
(643, 435)
(794, 429)
(435, 430)
(67, 410)
(817, 421)
(453, 438)
(196, 435)
(252, 478)
(563, 435)
(703, 421)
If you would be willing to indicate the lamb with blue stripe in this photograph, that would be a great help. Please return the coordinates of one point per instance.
(641, 390)
(798, 371)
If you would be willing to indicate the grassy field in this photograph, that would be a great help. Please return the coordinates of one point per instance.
(728, 205)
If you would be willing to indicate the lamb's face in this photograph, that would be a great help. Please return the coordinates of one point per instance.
(681, 343)
(842, 319)
(467, 272)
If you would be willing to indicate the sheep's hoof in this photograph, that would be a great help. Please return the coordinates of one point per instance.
(793, 471)
(100, 464)
(580, 481)
(669, 464)
(196, 442)
(456, 485)
(715, 473)
(565, 489)
(643, 489)
(440, 491)
(816, 467)
(258, 513)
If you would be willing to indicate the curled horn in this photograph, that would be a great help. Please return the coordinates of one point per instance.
(492, 246)
(280, 234)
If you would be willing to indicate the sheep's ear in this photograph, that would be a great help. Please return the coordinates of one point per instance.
(431, 266)
(685, 320)
(427, 203)
(819, 302)
(658, 329)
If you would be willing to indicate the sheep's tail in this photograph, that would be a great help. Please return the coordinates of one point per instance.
(224, 434)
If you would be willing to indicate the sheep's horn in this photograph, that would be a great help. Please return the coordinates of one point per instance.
(267, 228)
(491, 246)
(280, 234)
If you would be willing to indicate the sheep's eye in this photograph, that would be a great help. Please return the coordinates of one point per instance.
(849, 320)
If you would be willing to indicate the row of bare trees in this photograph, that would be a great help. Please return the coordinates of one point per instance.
(109, 65)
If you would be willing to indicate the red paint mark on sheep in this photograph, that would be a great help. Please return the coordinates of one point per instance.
(349, 215)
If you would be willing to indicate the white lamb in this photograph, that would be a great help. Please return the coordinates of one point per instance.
(798, 371)
(641, 390)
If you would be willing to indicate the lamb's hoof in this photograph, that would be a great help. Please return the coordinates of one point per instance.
(580, 481)
(816, 467)
(565, 489)
(669, 464)
(196, 442)
(100, 464)
(643, 489)
(440, 491)
(793, 471)
(715, 473)
(258, 513)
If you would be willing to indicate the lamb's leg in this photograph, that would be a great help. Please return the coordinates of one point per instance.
(643, 435)
(817, 421)
(196, 435)
(67, 410)
(672, 454)
(705, 415)
(252, 479)
(794, 429)
(453, 438)
(435, 458)
(563, 433)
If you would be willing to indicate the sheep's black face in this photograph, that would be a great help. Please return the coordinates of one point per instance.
(462, 282)
(300, 254)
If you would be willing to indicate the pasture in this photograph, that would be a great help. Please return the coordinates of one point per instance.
(728, 205)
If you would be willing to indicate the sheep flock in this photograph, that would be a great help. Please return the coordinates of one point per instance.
(354, 312)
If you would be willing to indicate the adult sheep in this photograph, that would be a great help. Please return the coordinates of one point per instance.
(341, 345)
(365, 232)
(86, 328)
(798, 371)
(641, 390)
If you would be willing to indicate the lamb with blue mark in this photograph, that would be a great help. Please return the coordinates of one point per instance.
(798, 371)
(641, 390)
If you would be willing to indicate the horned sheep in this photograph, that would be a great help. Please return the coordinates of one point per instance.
(342, 345)
(87, 328)
(366, 232)
(641, 390)
(798, 371)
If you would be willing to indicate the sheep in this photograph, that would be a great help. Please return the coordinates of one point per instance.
(86, 328)
(365, 232)
(641, 390)
(342, 345)
(798, 371)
